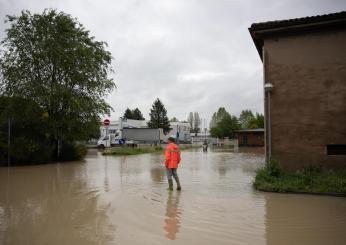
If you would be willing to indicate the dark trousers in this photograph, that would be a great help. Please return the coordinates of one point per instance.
(171, 172)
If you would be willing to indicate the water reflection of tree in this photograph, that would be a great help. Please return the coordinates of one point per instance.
(54, 204)
(173, 214)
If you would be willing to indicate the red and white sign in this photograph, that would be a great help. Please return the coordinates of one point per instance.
(106, 122)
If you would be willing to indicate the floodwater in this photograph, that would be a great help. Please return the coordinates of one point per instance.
(124, 200)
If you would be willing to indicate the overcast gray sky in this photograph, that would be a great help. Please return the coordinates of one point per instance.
(195, 55)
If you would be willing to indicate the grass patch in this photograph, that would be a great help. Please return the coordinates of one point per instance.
(189, 147)
(125, 151)
(310, 179)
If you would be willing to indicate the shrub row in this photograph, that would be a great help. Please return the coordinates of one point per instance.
(310, 179)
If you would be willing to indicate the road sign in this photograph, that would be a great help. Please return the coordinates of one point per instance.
(106, 122)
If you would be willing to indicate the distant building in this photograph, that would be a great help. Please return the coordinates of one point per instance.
(122, 123)
(250, 137)
(304, 66)
(200, 137)
(179, 130)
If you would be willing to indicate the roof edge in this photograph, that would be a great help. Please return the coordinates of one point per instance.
(260, 31)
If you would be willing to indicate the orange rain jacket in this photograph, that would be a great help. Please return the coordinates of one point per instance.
(172, 155)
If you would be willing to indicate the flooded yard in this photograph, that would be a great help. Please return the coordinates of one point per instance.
(124, 200)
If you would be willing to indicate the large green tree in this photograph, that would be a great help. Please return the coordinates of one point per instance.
(224, 123)
(257, 122)
(196, 123)
(28, 129)
(190, 120)
(135, 114)
(217, 116)
(174, 119)
(51, 59)
(158, 116)
(127, 114)
(246, 118)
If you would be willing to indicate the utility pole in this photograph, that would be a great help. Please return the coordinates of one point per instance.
(205, 130)
(177, 135)
(9, 143)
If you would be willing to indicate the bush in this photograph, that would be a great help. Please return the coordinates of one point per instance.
(31, 138)
(131, 151)
(310, 179)
(71, 152)
(273, 168)
(29, 141)
(25, 151)
(309, 173)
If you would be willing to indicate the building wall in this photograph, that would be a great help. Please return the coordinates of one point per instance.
(182, 128)
(253, 138)
(116, 125)
(308, 102)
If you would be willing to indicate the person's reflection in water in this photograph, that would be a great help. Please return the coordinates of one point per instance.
(173, 213)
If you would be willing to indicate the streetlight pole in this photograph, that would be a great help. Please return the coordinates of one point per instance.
(205, 131)
(9, 143)
(178, 134)
(268, 87)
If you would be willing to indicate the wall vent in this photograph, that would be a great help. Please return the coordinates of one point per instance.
(336, 149)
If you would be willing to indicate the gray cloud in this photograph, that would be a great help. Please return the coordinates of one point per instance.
(195, 55)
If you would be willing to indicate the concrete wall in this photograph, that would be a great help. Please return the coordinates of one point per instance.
(308, 102)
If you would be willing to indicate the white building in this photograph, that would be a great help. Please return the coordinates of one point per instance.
(180, 130)
(122, 123)
(200, 137)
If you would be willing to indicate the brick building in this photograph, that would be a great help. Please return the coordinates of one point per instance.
(304, 66)
(251, 137)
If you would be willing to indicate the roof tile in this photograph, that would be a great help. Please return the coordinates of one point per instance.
(297, 21)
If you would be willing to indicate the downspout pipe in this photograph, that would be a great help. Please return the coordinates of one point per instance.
(268, 87)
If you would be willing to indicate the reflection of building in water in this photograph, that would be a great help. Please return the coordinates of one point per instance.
(292, 219)
(173, 214)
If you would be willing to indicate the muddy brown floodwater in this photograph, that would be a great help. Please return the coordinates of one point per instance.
(124, 200)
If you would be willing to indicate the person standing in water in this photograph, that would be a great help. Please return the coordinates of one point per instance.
(172, 160)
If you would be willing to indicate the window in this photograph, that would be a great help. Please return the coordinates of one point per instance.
(336, 149)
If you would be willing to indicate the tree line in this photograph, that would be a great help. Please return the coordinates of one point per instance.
(135, 114)
(195, 121)
(158, 116)
(223, 124)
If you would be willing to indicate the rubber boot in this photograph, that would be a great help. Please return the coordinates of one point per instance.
(178, 183)
(170, 184)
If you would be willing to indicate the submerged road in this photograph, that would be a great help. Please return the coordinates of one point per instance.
(124, 200)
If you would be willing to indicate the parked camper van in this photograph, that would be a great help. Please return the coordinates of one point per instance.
(131, 136)
(111, 140)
